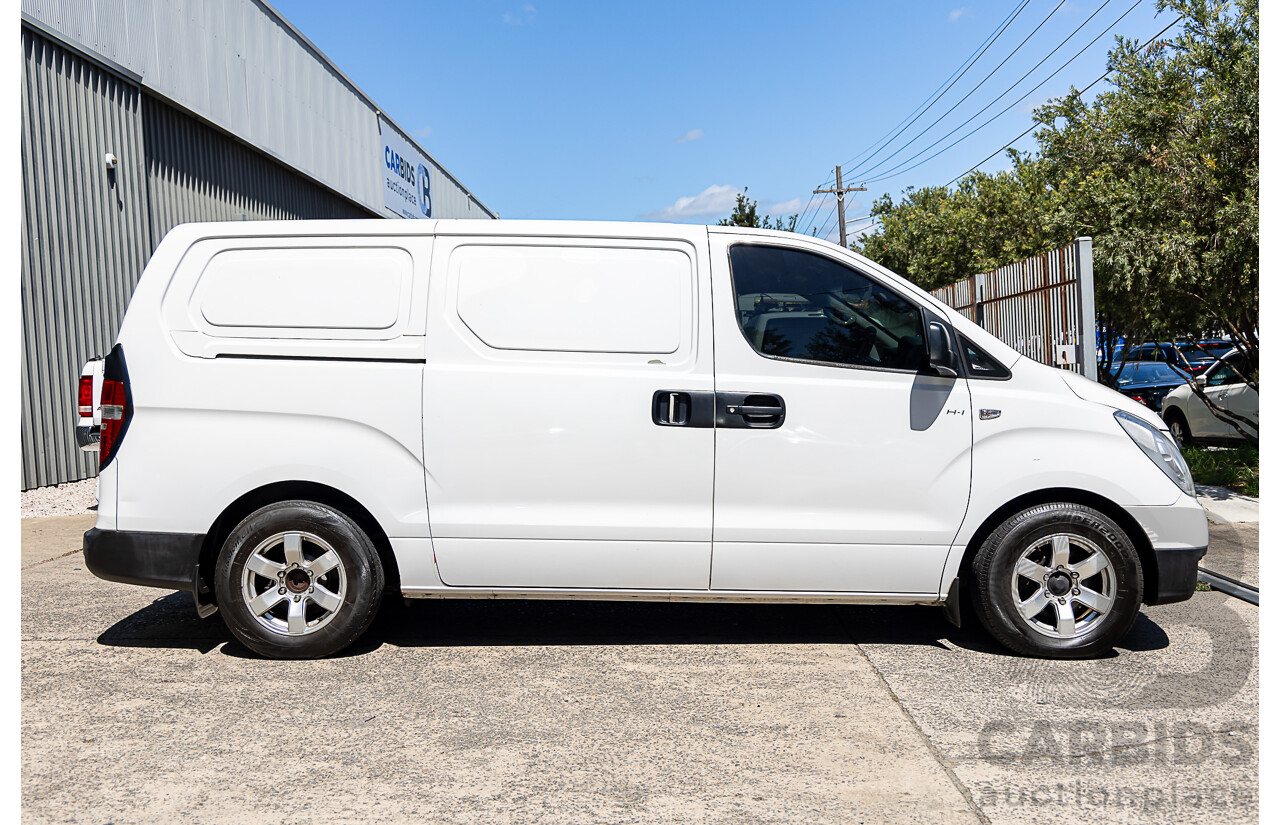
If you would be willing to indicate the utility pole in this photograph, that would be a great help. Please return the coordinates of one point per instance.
(839, 193)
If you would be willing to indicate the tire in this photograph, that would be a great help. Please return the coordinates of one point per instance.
(1079, 615)
(1179, 428)
(298, 580)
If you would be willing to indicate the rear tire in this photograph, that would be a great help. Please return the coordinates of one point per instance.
(298, 580)
(1059, 581)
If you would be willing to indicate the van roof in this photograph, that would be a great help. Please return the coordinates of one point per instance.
(464, 226)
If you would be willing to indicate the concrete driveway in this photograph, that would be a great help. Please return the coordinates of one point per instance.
(136, 711)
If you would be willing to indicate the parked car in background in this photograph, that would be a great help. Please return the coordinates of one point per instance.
(1148, 382)
(1190, 419)
(1198, 357)
(1192, 357)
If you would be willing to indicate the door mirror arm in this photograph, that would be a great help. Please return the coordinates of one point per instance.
(942, 356)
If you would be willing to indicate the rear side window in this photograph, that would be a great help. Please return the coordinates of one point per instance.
(798, 305)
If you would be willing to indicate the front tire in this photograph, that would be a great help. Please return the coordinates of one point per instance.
(298, 580)
(1178, 428)
(1059, 581)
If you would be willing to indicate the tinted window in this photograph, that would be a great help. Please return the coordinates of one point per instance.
(1224, 374)
(1146, 373)
(794, 304)
(979, 364)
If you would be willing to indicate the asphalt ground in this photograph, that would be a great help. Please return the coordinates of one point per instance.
(134, 710)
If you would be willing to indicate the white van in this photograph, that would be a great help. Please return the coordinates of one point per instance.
(298, 416)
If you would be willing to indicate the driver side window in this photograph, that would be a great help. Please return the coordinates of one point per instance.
(1224, 374)
(798, 305)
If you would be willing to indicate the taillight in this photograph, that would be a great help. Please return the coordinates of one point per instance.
(86, 396)
(116, 403)
(114, 406)
(1137, 398)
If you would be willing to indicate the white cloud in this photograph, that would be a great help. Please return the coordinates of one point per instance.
(713, 201)
(956, 14)
(424, 132)
(529, 12)
(691, 135)
(792, 207)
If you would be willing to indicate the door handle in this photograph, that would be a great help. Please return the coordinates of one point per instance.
(683, 408)
(745, 410)
(750, 410)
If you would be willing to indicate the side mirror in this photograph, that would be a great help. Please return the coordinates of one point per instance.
(1201, 381)
(941, 356)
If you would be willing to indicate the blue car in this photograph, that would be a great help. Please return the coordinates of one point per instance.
(1148, 382)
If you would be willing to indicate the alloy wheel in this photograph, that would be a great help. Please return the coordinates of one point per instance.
(1063, 585)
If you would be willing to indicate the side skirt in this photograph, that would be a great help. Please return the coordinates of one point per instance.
(740, 596)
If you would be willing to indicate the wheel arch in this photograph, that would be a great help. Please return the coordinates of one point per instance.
(279, 491)
(1070, 495)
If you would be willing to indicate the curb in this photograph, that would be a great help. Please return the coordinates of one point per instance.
(1226, 507)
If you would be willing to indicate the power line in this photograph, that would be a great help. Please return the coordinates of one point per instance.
(1009, 57)
(892, 173)
(805, 211)
(989, 44)
(928, 101)
(971, 118)
(839, 193)
(972, 56)
(1073, 94)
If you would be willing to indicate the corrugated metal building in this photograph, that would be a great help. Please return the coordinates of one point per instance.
(213, 110)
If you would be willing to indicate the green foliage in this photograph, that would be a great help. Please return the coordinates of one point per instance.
(1235, 468)
(1161, 170)
(744, 214)
(936, 236)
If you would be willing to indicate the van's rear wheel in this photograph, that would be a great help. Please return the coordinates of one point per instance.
(1058, 580)
(298, 580)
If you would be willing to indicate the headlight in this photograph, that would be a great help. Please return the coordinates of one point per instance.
(1160, 448)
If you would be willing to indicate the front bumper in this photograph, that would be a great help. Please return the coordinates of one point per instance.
(168, 560)
(1176, 574)
(1179, 536)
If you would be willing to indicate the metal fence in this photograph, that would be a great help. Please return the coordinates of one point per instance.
(1042, 306)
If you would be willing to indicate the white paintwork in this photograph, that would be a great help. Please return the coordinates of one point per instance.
(846, 469)
(524, 445)
(501, 464)
(314, 291)
(1234, 396)
(574, 299)
(298, 296)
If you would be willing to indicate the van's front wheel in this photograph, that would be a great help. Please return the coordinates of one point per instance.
(1058, 580)
(298, 580)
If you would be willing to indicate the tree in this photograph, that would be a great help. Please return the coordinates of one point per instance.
(1161, 169)
(744, 214)
(936, 236)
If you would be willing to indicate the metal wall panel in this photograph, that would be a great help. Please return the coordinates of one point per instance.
(195, 173)
(241, 65)
(84, 241)
(1037, 306)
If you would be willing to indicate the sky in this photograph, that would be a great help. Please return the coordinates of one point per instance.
(665, 111)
